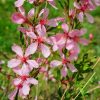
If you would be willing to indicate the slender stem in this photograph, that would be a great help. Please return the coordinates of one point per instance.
(85, 85)
(46, 4)
(62, 98)
(91, 90)
(96, 63)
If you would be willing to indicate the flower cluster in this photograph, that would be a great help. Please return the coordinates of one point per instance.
(41, 45)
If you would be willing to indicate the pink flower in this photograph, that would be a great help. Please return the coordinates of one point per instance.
(39, 40)
(84, 6)
(57, 41)
(44, 20)
(22, 83)
(23, 58)
(20, 17)
(66, 63)
(73, 37)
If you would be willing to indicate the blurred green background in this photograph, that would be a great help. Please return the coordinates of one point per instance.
(10, 35)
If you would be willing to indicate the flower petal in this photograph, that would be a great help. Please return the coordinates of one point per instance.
(69, 44)
(18, 18)
(82, 31)
(72, 67)
(52, 23)
(31, 49)
(77, 5)
(25, 89)
(55, 63)
(19, 3)
(80, 16)
(89, 18)
(12, 95)
(17, 81)
(31, 35)
(64, 71)
(22, 71)
(65, 27)
(31, 1)
(18, 50)
(32, 64)
(41, 30)
(45, 50)
(45, 13)
(21, 10)
(14, 63)
(84, 41)
(32, 81)
(31, 13)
